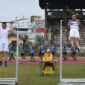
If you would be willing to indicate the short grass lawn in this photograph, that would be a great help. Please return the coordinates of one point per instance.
(29, 74)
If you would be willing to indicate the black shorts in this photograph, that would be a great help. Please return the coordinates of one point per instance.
(31, 54)
(41, 54)
(48, 64)
(11, 54)
(64, 53)
(22, 54)
(53, 53)
(73, 53)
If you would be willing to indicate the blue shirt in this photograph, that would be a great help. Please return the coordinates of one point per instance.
(41, 49)
(11, 51)
(52, 49)
(22, 49)
(31, 49)
(64, 49)
(74, 49)
(49, 47)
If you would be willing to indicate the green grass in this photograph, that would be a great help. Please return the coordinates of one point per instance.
(73, 70)
(29, 74)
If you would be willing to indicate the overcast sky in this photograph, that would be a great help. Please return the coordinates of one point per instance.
(9, 9)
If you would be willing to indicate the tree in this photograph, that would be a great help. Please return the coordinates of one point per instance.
(39, 39)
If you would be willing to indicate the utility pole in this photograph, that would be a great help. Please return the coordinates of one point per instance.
(46, 13)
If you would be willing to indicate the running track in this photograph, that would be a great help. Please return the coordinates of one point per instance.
(80, 60)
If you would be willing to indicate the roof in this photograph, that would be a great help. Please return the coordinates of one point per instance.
(14, 34)
(61, 4)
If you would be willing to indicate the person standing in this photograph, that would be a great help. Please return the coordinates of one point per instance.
(64, 52)
(52, 49)
(41, 51)
(31, 52)
(11, 52)
(22, 52)
(73, 53)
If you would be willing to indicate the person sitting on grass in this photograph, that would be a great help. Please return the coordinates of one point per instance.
(73, 54)
(31, 52)
(41, 51)
(64, 52)
(48, 57)
(11, 52)
(22, 52)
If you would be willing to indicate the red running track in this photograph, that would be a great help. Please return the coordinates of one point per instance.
(79, 60)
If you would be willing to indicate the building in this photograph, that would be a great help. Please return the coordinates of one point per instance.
(37, 27)
(30, 27)
(13, 38)
(23, 26)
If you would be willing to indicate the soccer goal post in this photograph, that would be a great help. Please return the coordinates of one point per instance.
(71, 71)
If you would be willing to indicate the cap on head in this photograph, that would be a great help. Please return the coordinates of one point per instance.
(48, 50)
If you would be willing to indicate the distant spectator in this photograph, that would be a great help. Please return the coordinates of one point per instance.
(64, 52)
(73, 54)
(11, 52)
(41, 50)
(31, 52)
(52, 49)
(22, 52)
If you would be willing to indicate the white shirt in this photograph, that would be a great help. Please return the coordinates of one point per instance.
(4, 33)
(74, 24)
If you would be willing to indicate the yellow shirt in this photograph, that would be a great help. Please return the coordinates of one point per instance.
(47, 58)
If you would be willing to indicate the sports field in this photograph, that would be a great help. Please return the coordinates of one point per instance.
(29, 74)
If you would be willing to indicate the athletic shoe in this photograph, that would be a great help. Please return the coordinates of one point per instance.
(54, 72)
(75, 60)
(33, 60)
(65, 59)
(0, 63)
(78, 49)
(9, 60)
(12, 60)
(72, 49)
(42, 73)
(23, 60)
(5, 64)
(30, 60)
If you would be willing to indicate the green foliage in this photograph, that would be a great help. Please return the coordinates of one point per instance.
(26, 47)
(27, 42)
(38, 39)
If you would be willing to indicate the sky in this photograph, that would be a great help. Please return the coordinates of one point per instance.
(9, 9)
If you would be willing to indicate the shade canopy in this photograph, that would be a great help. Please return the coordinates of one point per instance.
(61, 4)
